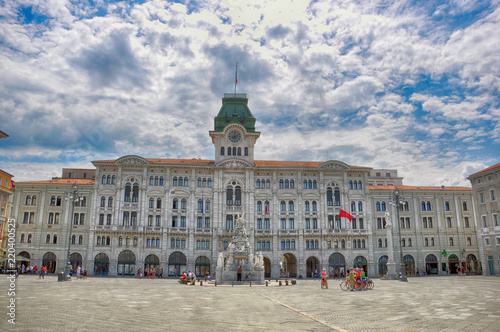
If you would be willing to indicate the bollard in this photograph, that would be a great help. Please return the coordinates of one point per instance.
(276, 279)
(250, 284)
(216, 284)
(286, 282)
(280, 283)
(201, 283)
(232, 284)
(267, 284)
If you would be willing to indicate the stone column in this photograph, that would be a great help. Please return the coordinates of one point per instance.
(391, 265)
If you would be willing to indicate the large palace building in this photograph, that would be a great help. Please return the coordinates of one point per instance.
(178, 214)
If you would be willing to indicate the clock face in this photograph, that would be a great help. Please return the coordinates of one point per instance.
(234, 136)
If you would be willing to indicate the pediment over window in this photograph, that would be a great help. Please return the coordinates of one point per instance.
(234, 164)
(334, 165)
(131, 161)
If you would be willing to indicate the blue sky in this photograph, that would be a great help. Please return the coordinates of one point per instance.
(406, 85)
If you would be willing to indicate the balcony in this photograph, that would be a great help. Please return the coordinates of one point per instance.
(203, 231)
(263, 232)
(178, 230)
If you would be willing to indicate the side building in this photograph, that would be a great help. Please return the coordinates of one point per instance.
(178, 214)
(6, 196)
(486, 186)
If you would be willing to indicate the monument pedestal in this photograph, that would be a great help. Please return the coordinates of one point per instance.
(391, 272)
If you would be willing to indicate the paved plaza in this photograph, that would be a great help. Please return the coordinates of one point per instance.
(129, 304)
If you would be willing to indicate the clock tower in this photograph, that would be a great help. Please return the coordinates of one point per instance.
(234, 134)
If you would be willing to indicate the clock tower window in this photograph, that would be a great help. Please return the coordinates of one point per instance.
(222, 151)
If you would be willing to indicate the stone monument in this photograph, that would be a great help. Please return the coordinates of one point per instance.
(239, 253)
(391, 265)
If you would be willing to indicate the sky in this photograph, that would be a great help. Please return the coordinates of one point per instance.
(406, 85)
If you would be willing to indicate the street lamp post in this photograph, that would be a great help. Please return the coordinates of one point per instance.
(73, 195)
(397, 198)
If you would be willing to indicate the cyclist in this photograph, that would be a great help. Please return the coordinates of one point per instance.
(363, 277)
(357, 275)
(351, 278)
(323, 279)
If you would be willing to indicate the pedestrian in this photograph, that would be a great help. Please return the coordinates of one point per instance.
(238, 273)
(175, 272)
(84, 273)
(417, 274)
(161, 273)
(78, 272)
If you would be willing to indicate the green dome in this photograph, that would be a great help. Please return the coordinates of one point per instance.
(234, 110)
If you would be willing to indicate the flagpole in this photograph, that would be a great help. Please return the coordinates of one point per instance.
(236, 79)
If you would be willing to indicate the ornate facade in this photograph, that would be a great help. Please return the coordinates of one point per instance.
(178, 214)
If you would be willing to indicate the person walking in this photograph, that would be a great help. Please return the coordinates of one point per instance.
(417, 274)
(238, 273)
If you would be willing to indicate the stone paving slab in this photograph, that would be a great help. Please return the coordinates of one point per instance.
(128, 304)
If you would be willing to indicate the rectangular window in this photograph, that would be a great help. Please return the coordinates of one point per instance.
(183, 221)
(466, 222)
(101, 219)
(283, 224)
(493, 195)
(259, 223)
(308, 223)
(485, 221)
(267, 224)
(481, 197)
(495, 220)
(291, 223)
(199, 222)
(108, 220)
(158, 221)
(315, 223)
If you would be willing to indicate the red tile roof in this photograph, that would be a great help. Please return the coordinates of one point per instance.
(391, 187)
(60, 181)
(486, 169)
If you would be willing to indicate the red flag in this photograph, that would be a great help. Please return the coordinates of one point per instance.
(266, 207)
(345, 215)
(12, 184)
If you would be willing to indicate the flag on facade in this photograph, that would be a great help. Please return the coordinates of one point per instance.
(12, 184)
(345, 215)
(265, 206)
(236, 76)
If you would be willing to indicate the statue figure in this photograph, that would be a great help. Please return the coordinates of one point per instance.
(220, 260)
(387, 216)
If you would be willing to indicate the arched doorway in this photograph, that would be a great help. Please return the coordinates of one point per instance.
(361, 262)
(202, 266)
(382, 265)
(409, 262)
(336, 264)
(472, 265)
(431, 264)
(101, 264)
(75, 259)
(288, 266)
(24, 257)
(176, 263)
(453, 264)
(312, 264)
(151, 262)
(126, 263)
(49, 261)
(267, 267)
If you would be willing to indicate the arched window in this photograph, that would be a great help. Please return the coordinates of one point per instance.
(128, 190)
(426, 242)
(113, 179)
(229, 151)
(309, 184)
(151, 180)
(183, 204)
(73, 239)
(29, 238)
(447, 206)
(209, 183)
(429, 206)
(268, 184)
(222, 151)
(409, 242)
(257, 184)
(287, 184)
(199, 182)
(151, 202)
(464, 206)
(451, 241)
(432, 241)
(158, 203)
(403, 243)
(360, 185)
(22, 238)
(282, 206)
(354, 244)
(54, 239)
(329, 196)
(355, 185)
(175, 204)
(246, 151)
(282, 184)
(157, 180)
(350, 184)
(186, 182)
(33, 200)
(110, 201)
(259, 206)
(353, 206)
(239, 151)
(47, 238)
(290, 206)
(307, 206)
(108, 179)
(383, 205)
(363, 244)
(161, 180)
(98, 240)
(174, 181)
(52, 200)
(103, 179)
(423, 206)
(237, 196)
(469, 241)
(305, 184)
(292, 184)
(314, 206)
(377, 206)
(342, 244)
(360, 206)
